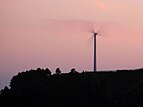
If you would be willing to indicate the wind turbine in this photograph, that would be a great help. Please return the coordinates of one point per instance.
(95, 34)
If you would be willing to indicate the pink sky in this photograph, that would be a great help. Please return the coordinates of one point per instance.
(52, 33)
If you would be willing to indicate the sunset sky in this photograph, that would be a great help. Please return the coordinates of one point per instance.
(57, 33)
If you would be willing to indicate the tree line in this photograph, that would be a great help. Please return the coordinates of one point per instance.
(39, 88)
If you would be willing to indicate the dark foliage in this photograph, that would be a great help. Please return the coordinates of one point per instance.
(38, 88)
(73, 71)
(58, 71)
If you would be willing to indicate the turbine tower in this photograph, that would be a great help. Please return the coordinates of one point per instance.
(95, 33)
(94, 66)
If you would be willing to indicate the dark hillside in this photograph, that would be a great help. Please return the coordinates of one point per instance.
(41, 89)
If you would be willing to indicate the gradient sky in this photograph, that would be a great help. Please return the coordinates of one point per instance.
(56, 33)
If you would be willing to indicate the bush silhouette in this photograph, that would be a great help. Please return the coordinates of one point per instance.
(48, 72)
(73, 71)
(58, 71)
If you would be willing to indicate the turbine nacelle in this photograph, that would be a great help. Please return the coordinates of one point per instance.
(95, 34)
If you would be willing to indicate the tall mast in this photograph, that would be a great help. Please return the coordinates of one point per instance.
(95, 34)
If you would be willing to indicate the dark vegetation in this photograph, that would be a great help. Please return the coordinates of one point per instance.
(39, 88)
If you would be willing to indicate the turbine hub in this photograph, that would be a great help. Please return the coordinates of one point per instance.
(95, 34)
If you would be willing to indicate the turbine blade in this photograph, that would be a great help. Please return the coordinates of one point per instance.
(89, 42)
(100, 29)
(89, 45)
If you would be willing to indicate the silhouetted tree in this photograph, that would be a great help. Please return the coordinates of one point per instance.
(48, 72)
(73, 71)
(5, 90)
(58, 71)
(38, 69)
